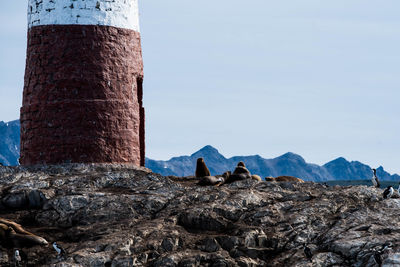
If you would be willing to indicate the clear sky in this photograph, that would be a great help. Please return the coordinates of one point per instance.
(317, 78)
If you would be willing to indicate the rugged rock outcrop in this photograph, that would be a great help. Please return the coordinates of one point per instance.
(118, 215)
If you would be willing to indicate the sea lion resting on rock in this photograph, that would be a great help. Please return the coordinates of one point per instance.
(211, 180)
(13, 234)
(226, 175)
(253, 176)
(284, 179)
(203, 173)
(240, 173)
(201, 169)
(256, 177)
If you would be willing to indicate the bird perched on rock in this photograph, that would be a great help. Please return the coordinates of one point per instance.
(307, 252)
(59, 249)
(388, 193)
(386, 246)
(375, 179)
(379, 252)
(378, 257)
(17, 258)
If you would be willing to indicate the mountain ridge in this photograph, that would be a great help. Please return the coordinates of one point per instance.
(287, 164)
(9, 142)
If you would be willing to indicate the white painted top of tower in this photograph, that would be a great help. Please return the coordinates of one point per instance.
(116, 13)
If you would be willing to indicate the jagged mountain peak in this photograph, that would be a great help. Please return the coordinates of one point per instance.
(291, 156)
(207, 152)
(207, 149)
(380, 168)
(339, 160)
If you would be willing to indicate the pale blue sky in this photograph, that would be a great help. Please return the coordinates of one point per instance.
(318, 78)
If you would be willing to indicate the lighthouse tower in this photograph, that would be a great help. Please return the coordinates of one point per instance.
(82, 99)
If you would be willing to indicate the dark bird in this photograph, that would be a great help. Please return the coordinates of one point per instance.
(388, 193)
(378, 258)
(378, 252)
(375, 179)
(59, 249)
(17, 258)
(307, 252)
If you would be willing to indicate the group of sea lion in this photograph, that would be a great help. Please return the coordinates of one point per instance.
(13, 235)
(240, 173)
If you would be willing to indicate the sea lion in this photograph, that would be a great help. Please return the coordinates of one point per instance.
(201, 169)
(17, 227)
(211, 180)
(256, 177)
(284, 178)
(4, 231)
(12, 234)
(241, 164)
(225, 176)
(240, 173)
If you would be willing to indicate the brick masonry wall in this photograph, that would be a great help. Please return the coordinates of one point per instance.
(82, 98)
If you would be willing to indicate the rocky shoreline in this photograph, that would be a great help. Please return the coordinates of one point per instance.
(120, 215)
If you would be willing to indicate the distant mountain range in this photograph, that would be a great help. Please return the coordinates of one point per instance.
(9, 142)
(287, 164)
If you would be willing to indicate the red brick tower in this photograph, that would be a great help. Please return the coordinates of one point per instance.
(82, 99)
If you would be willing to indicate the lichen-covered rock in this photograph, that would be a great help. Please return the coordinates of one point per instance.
(119, 215)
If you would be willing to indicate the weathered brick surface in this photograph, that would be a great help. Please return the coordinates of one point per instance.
(82, 97)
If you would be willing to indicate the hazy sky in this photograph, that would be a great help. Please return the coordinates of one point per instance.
(318, 78)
